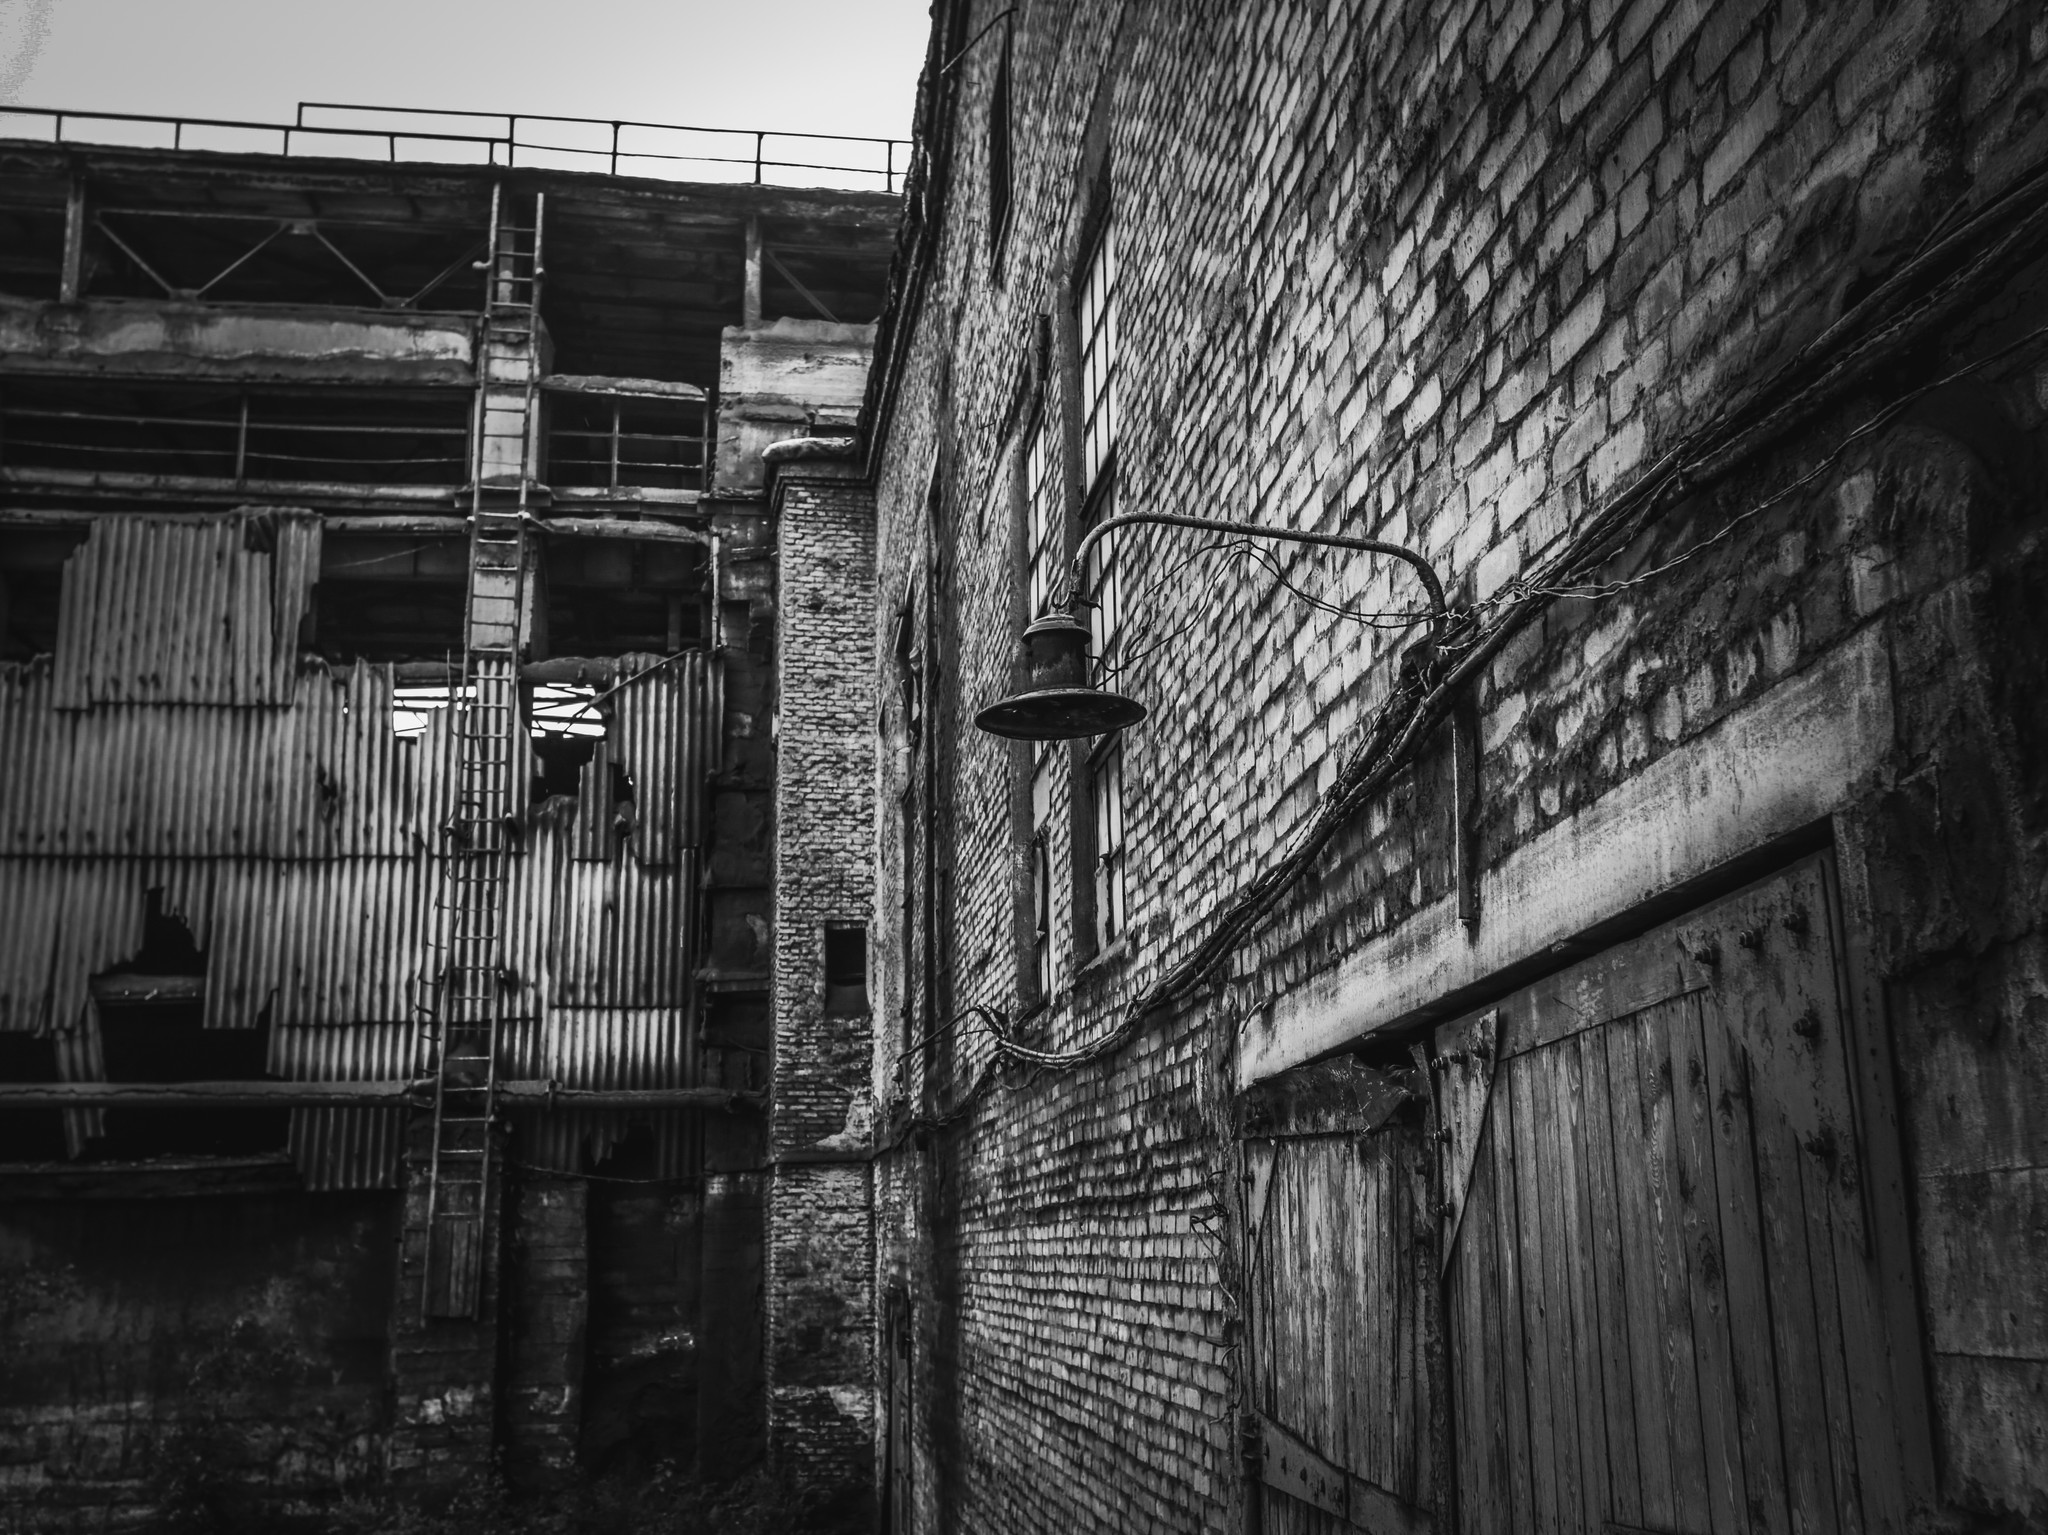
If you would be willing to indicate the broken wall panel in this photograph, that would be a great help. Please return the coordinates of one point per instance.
(176, 742)
(185, 610)
(325, 777)
(666, 732)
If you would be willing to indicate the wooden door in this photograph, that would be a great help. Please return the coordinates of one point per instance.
(1340, 1263)
(898, 1487)
(1662, 1310)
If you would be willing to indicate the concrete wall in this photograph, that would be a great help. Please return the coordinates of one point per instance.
(134, 338)
(1456, 277)
(820, 1312)
(778, 380)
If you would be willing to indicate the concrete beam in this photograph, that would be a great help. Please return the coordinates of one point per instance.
(146, 339)
(1787, 761)
(385, 1094)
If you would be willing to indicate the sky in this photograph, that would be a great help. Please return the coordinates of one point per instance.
(813, 66)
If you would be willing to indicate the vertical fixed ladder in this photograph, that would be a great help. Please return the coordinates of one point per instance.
(469, 1026)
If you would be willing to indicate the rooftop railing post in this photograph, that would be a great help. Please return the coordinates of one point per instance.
(615, 149)
(760, 139)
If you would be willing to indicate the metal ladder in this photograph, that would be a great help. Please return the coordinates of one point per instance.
(469, 1024)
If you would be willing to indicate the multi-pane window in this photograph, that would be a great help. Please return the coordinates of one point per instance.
(1042, 521)
(1041, 875)
(1095, 316)
(1106, 783)
(1096, 324)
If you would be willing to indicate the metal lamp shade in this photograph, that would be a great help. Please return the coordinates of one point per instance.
(1058, 704)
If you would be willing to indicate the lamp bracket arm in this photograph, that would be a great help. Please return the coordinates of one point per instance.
(1077, 579)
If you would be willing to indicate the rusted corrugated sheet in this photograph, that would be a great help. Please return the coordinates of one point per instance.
(174, 744)
(620, 933)
(324, 778)
(665, 729)
(349, 1148)
(594, 832)
(185, 609)
(67, 920)
(353, 940)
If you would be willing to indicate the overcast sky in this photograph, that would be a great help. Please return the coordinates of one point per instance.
(821, 66)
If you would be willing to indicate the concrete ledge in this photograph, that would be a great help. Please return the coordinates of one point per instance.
(141, 338)
(1786, 761)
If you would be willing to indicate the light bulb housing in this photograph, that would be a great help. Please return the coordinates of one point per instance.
(1057, 704)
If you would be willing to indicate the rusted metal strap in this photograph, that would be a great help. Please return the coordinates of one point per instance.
(1290, 1465)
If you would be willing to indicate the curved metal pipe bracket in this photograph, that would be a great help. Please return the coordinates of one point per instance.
(1464, 736)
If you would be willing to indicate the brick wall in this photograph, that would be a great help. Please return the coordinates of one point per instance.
(217, 1355)
(548, 1280)
(1454, 276)
(819, 1263)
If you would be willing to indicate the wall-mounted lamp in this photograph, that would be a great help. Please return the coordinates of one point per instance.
(1057, 702)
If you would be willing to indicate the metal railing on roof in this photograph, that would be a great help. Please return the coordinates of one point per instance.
(618, 146)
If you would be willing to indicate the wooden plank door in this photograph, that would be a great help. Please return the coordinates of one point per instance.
(1340, 1258)
(898, 1485)
(1662, 1309)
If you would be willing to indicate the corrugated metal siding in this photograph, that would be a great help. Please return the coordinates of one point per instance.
(177, 743)
(666, 728)
(325, 778)
(185, 609)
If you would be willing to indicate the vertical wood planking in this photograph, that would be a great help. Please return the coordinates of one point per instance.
(1664, 1257)
(1479, 1415)
(1700, 1214)
(1610, 1282)
(1589, 1340)
(1746, 1283)
(1514, 1355)
(1802, 1335)
(1552, 1431)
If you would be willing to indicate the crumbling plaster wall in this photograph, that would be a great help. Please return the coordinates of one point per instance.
(1452, 276)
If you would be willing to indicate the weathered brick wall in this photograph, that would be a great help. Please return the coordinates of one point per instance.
(819, 1313)
(220, 1354)
(548, 1287)
(1451, 275)
(445, 1379)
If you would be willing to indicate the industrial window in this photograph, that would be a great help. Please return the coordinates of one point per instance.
(1105, 757)
(1042, 520)
(846, 969)
(1041, 875)
(1096, 320)
(1106, 789)
(999, 122)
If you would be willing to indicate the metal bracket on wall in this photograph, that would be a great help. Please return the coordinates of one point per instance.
(1288, 1463)
(1464, 809)
(1467, 1055)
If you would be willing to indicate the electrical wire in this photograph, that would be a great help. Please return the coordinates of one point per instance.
(1817, 376)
